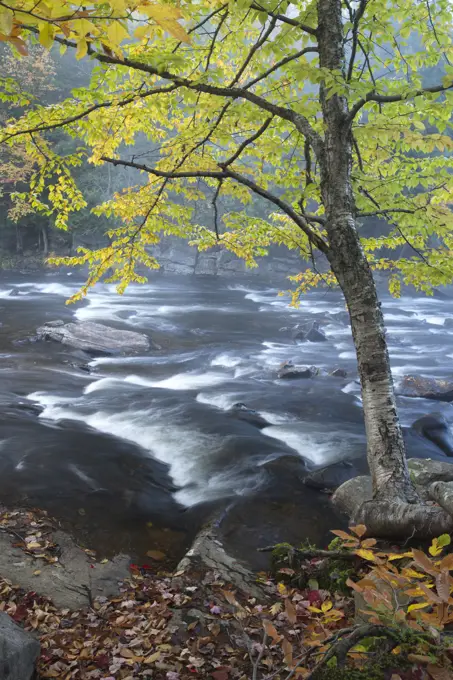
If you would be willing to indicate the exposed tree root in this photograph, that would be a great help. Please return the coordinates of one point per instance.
(395, 519)
(312, 554)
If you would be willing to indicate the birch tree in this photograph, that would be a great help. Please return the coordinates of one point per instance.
(319, 107)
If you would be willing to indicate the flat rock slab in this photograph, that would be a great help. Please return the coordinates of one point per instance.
(73, 582)
(427, 388)
(95, 337)
(18, 651)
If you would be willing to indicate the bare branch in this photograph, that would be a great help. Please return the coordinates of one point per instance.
(392, 98)
(355, 17)
(386, 211)
(284, 19)
(247, 143)
(216, 212)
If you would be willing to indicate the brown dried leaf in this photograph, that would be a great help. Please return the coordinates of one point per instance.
(271, 631)
(438, 673)
(424, 562)
(443, 582)
(359, 530)
(290, 611)
(287, 652)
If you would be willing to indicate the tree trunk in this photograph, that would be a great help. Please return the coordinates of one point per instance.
(45, 240)
(385, 445)
(19, 241)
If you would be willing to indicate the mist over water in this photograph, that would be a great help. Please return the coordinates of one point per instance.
(154, 433)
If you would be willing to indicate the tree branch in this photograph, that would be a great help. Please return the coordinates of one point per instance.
(392, 98)
(86, 112)
(247, 142)
(284, 19)
(356, 17)
(227, 173)
(301, 122)
(386, 211)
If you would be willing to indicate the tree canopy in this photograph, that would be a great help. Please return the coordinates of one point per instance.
(236, 111)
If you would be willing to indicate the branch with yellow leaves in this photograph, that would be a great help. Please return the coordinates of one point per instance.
(224, 173)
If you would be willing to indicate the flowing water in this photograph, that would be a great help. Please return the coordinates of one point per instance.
(136, 451)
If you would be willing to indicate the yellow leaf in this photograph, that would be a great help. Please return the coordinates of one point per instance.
(157, 555)
(435, 549)
(6, 21)
(46, 34)
(82, 49)
(116, 33)
(152, 658)
(366, 555)
(160, 12)
(326, 606)
(166, 17)
(418, 605)
(141, 32)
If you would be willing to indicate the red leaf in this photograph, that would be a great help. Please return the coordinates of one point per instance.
(314, 596)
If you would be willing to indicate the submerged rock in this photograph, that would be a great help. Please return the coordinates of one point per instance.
(94, 338)
(426, 388)
(249, 415)
(339, 373)
(18, 651)
(314, 334)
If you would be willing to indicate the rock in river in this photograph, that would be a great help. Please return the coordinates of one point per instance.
(249, 415)
(290, 372)
(314, 334)
(426, 388)
(95, 338)
(435, 428)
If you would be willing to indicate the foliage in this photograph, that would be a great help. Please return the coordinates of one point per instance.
(236, 113)
(102, 25)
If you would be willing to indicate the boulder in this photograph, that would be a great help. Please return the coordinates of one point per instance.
(95, 338)
(435, 428)
(339, 373)
(425, 472)
(290, 372)
(314, 334)
(249, 415)
(18, 651)
(352, 494)
(426, 388)
(329, 478)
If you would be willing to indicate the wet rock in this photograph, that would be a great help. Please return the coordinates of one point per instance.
(426, 388)
(55, 324)
(435, 428)
(18, 651)
(425, 472)
(95, 338)
(352, 494)
(329, 478)
(339, 373)
(290, 372)
(340, 317)
(314, 334)
(249, 415)
(208, 554)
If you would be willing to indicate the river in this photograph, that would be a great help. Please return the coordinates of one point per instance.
(136, 453)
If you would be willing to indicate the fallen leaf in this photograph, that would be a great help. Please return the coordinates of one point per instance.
(157, 555)
(152, 658)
